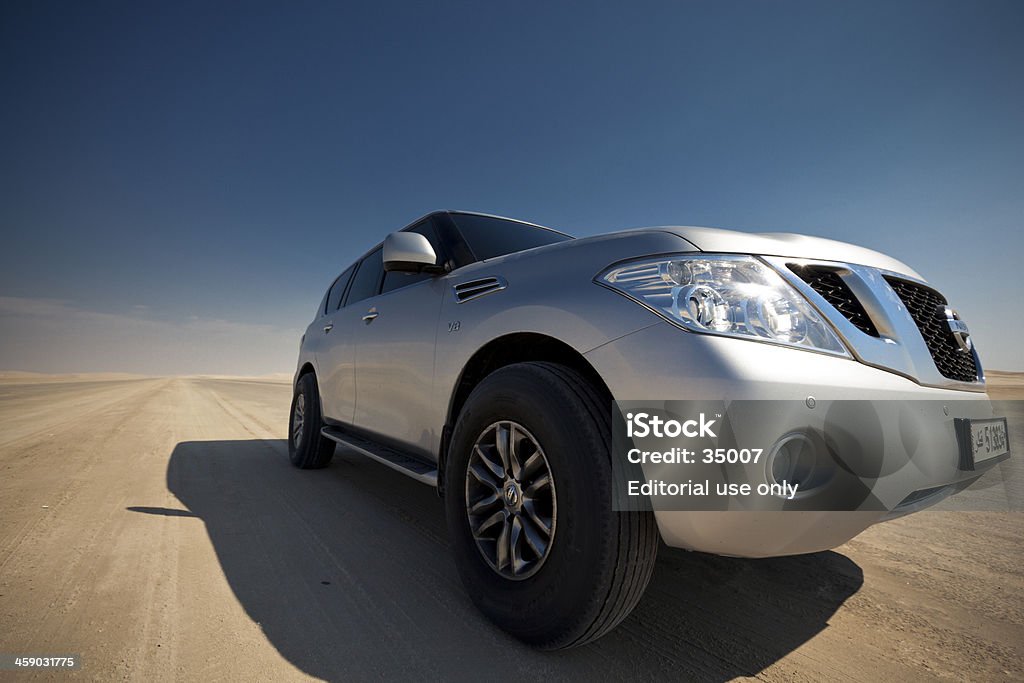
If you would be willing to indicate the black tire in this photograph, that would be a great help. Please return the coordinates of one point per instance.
(600, 560)
(310, 450)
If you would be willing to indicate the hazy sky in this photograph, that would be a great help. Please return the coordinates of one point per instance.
(180, 182)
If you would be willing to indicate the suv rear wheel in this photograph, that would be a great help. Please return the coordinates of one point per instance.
(528, 502)
(307, 448)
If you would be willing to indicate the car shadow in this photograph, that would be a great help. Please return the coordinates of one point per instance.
(347, 571)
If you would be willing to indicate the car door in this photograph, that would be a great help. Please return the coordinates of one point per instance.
(335, 351)
(395, 345)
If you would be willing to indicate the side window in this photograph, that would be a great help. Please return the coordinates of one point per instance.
(367, 279)
(323, 303)
(337, 289)
(395, 280)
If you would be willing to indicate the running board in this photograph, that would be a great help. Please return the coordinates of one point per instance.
(411, 467)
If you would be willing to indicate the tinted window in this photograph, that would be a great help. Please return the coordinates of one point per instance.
(323, 303)
(491, 237)
(367, 279)
(395, 279)
(337, 289)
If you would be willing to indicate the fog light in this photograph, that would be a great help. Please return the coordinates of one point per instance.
(796, 460)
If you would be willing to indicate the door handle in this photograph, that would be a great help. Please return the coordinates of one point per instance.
(328, 327)
(370, 316)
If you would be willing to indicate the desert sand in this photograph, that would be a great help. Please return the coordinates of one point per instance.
(155, 527)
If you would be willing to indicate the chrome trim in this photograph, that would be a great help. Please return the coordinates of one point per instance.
(899, 348)
(958, 328)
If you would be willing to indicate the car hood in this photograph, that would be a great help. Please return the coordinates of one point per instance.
(786, 244)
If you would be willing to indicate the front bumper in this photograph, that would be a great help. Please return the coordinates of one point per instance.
(663, 363)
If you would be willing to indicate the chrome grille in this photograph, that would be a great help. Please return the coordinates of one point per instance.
(923, 304)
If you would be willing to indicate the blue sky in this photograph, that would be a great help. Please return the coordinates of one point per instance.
(177, 174)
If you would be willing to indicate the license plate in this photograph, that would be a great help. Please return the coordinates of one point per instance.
(981, 441)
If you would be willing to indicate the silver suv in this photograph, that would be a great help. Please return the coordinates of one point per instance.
(484, 356)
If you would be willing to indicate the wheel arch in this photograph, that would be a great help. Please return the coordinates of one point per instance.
(306, 369)
(517, 347)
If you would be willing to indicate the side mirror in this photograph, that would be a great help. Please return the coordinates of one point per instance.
(408, 252)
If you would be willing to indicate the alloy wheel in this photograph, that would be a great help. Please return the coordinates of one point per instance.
(510, 500)
(298, 419)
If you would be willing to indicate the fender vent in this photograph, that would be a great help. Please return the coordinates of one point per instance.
(830, 286)
(474, 289)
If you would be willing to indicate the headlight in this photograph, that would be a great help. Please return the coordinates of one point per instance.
(736, 296)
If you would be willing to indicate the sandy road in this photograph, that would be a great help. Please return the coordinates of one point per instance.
(155, 528)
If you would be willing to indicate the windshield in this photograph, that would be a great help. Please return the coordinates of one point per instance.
(490, 237)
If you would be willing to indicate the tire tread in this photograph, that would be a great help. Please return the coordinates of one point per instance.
(637, 532)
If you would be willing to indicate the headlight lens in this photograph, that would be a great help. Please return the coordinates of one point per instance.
(737, 296)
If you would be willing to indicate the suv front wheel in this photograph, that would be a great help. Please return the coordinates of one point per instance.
(528, 502)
